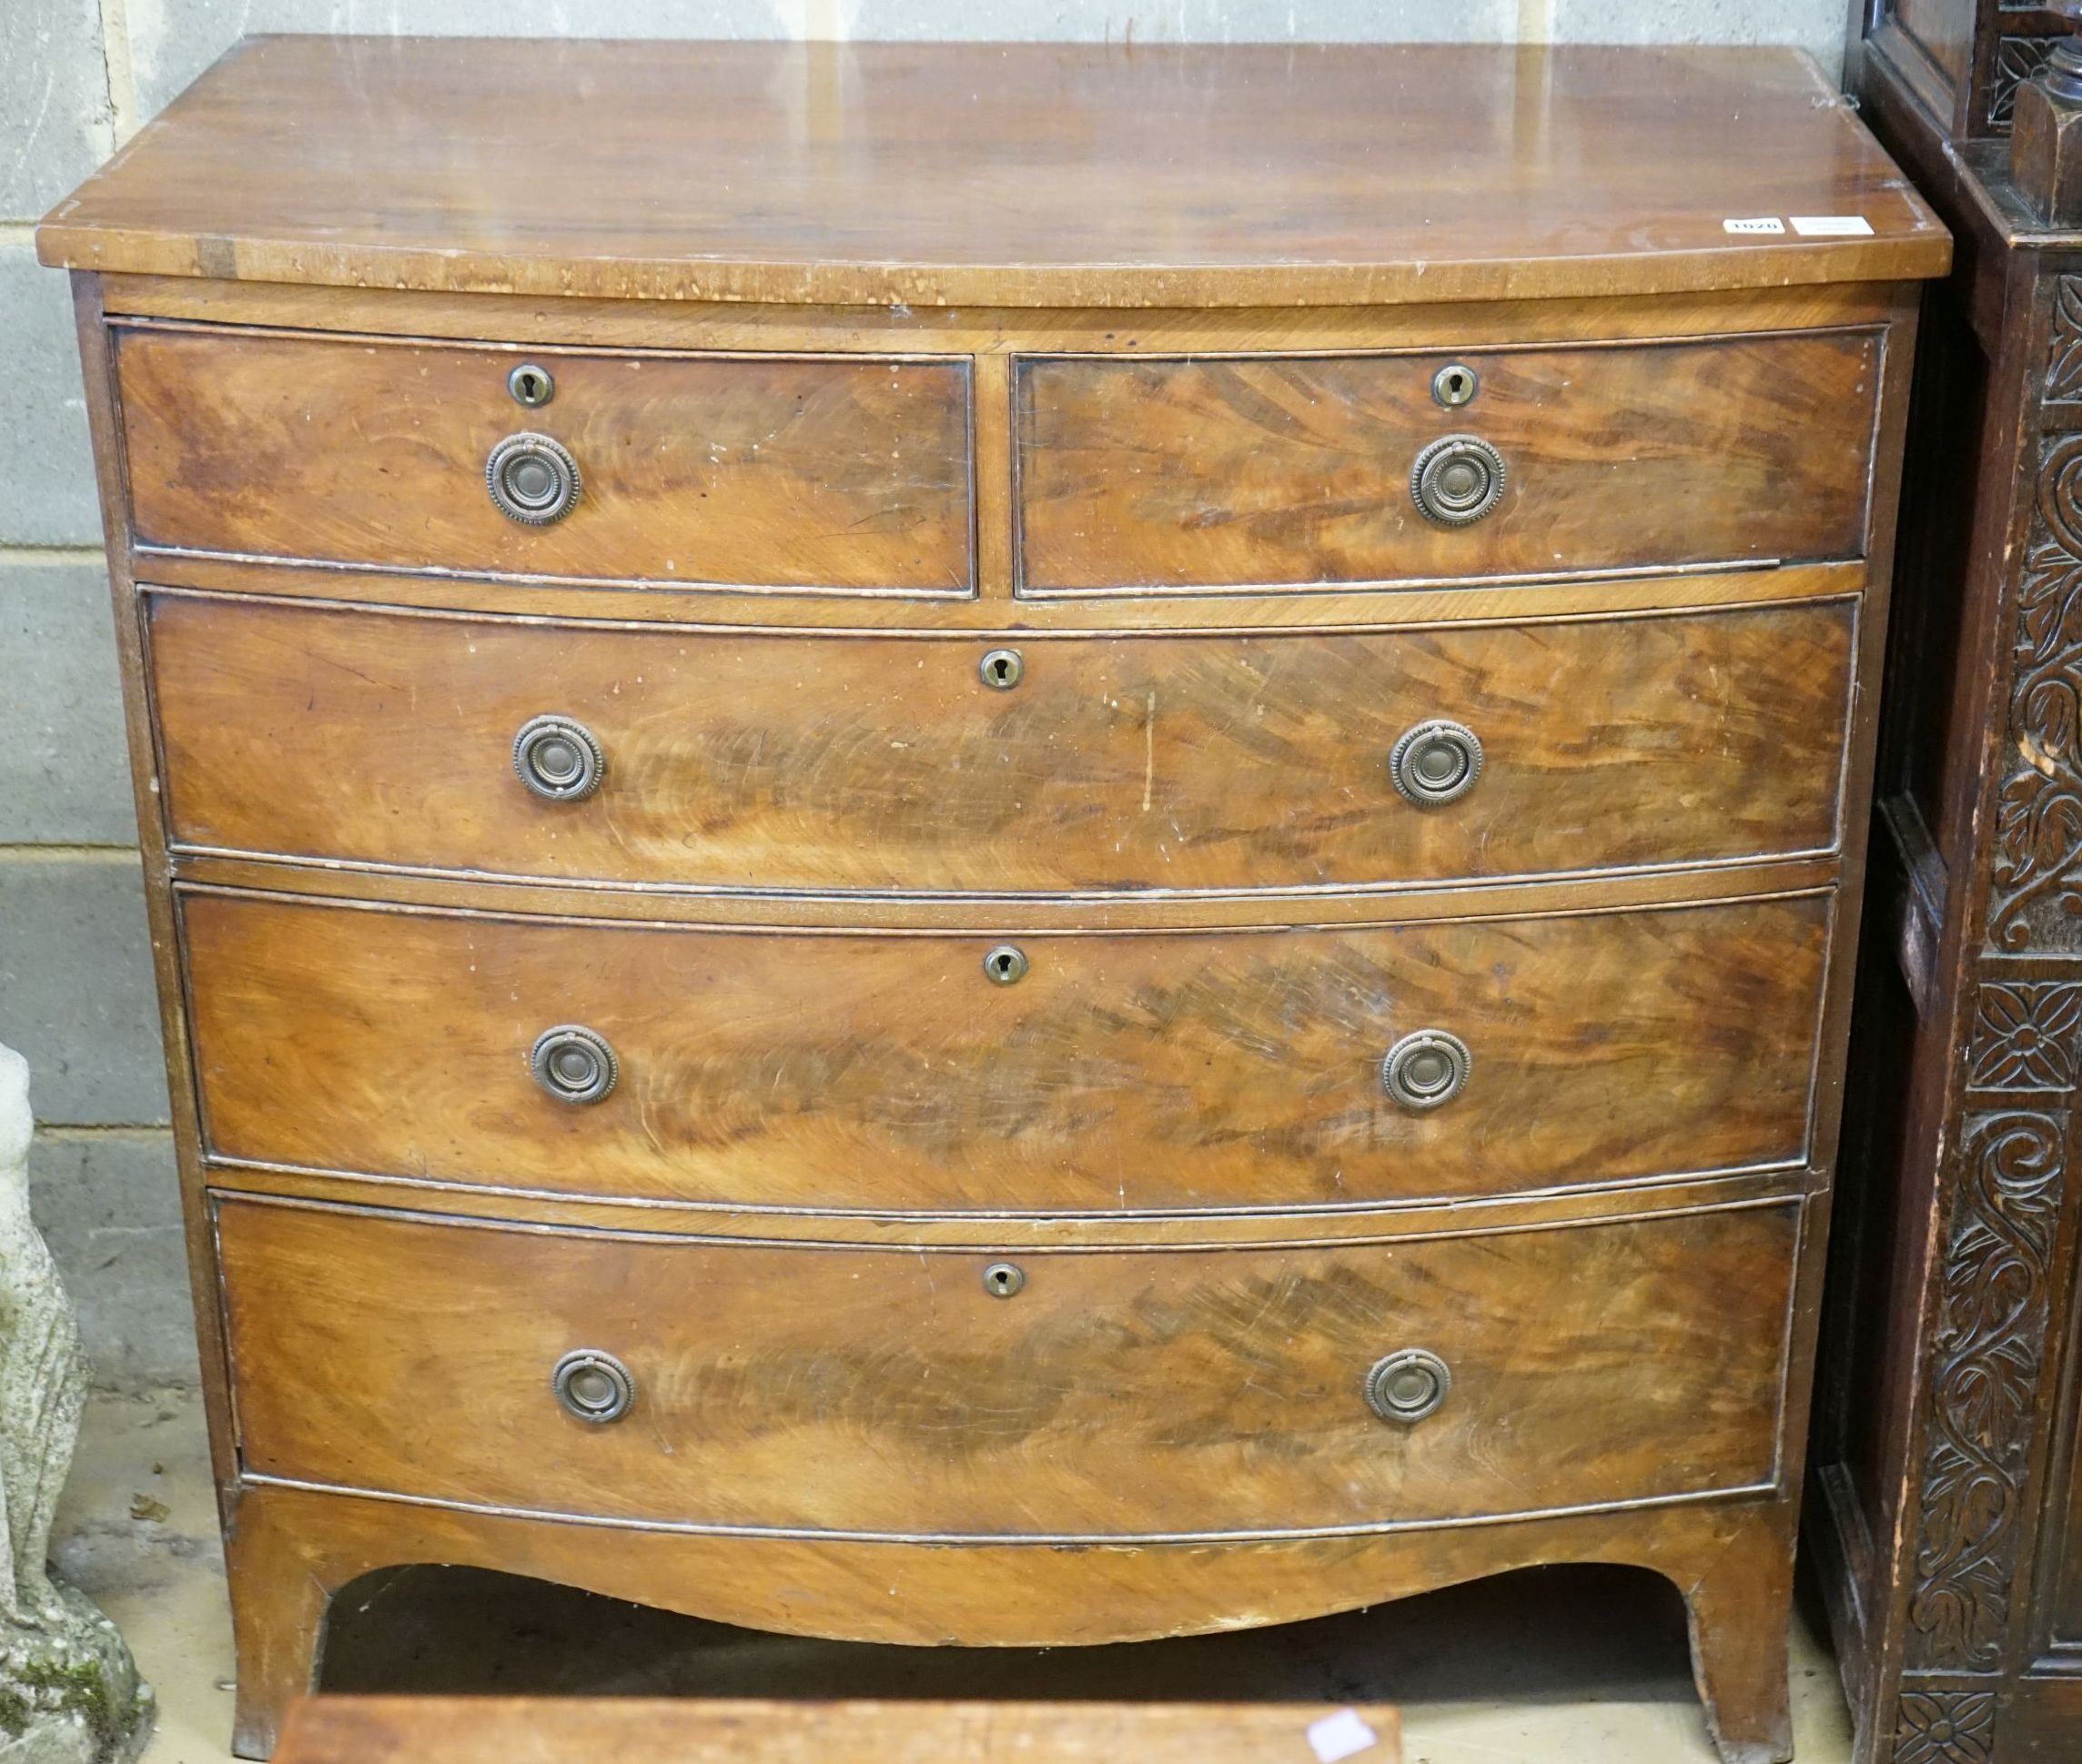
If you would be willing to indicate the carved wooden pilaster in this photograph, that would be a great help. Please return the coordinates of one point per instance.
(2006, 1181)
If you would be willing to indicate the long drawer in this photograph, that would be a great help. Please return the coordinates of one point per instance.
(832, 473)
(850, 762)
(1125, 1392)
(1043, 1073)
(1163, 475)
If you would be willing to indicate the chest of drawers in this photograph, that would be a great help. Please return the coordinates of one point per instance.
(1002, 845)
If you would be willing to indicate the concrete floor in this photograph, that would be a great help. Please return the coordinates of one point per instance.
(1552, 1666)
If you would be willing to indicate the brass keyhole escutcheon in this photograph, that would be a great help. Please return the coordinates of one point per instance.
(1004, 1279)
(1454, 385)
(1001, 669)
(531, 386)
(1006, 965)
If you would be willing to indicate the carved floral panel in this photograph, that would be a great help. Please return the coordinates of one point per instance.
(2037, 900)
(1945, 1727)
(1989, 1354)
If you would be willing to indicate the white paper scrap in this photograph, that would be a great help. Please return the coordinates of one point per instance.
(1833, 227)
(1342, 1735)
(1762, 223)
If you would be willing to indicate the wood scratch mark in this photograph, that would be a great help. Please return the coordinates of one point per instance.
(1150, 752)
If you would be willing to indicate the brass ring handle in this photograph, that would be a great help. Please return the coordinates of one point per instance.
(1426, 1069)
(1408, 1385)
(1458, 479)
(558, 759)
(573, 1064)
(594, 1385)
(532, 478)
(1435, 762)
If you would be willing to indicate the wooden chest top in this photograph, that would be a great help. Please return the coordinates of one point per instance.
(994, 174)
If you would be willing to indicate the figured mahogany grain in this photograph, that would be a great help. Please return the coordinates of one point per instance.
(857, 1070)
(840, 473)
(1117, 173)
(1176, 1117)
(1182, 473)
(1136, 763)
(737, 1730)
(1117, 1394)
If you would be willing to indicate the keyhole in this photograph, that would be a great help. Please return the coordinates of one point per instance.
(531, 386)
(1002, 1279)
(1001, 669)
(1454, 386)
(1005, 963)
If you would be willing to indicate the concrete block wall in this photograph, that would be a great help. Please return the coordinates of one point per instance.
(78, 78)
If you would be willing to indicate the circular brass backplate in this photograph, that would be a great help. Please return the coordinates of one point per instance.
(1426, 1069)
(532, 478)
(1457, 479)
(573, 1064)
(559, 758)
(594, 1385)
(1435, 762)
(1408, 1385)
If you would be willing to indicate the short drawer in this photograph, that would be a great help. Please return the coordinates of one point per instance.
(1139, 475)
(823, 762)
(1132, 1393)
(890, 1071)
(830, 473)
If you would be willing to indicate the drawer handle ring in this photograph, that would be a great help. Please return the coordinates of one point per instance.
(1408, 1385)
(557, 759)
(573, 1064)
(1436, 762)
(1426, 1069)
(532, 478)
(1458, 479)
(594, 1385)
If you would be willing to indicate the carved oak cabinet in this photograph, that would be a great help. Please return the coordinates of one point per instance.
(1004, 845)
(1946, 1513)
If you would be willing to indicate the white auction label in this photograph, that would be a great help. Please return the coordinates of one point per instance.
(1762, 223)
(1832, 227)
(1342, 1735)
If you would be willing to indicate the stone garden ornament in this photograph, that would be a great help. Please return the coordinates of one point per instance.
(69, 1691)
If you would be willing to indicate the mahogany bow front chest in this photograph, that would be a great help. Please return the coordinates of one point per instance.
(1002, 845)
